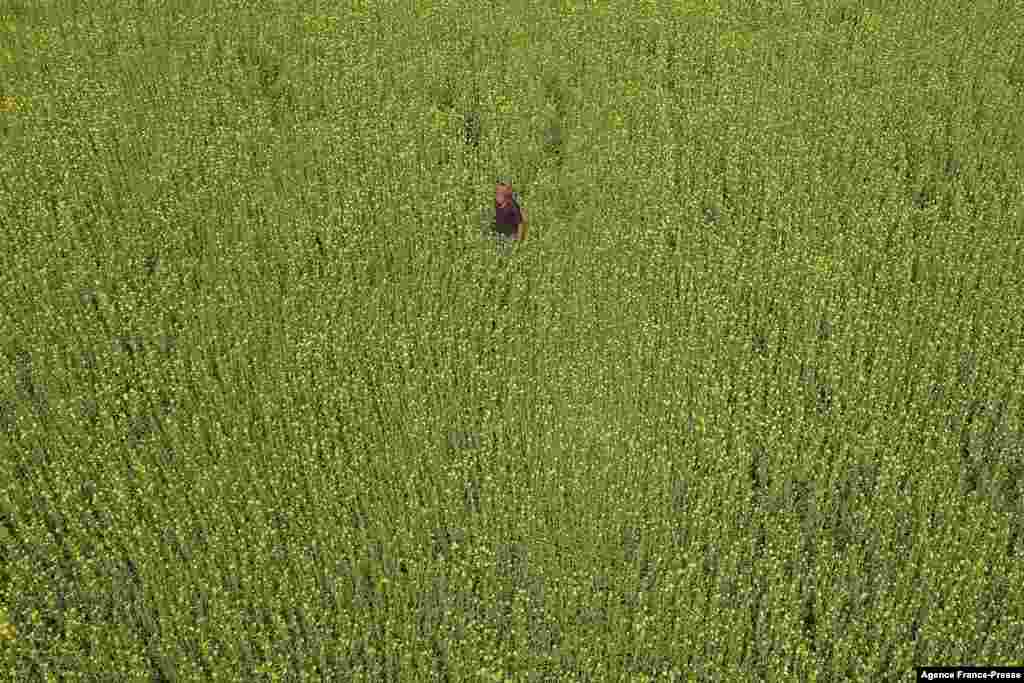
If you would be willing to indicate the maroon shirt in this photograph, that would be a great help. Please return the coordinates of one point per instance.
(506, 219)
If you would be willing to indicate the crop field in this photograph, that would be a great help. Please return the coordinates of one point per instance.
(746, 404)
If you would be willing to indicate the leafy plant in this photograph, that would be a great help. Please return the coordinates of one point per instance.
(747, 405)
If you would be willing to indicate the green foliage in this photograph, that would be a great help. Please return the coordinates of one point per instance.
(748, 400)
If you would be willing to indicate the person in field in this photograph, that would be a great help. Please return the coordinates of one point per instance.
(509, 217)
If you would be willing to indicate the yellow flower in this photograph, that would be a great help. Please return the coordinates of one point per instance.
(8, 632)
(736, 40)
(872, 22)
(438, 119)
(8, 104)
(320, 23)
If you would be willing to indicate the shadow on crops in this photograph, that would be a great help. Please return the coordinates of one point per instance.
(818, 391)
(471, 129)
(29, 389)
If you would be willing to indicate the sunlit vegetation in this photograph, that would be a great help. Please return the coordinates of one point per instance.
(746, 403)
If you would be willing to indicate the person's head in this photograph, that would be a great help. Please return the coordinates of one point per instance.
(503, 194)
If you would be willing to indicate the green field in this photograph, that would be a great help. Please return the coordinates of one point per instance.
(747, 404)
